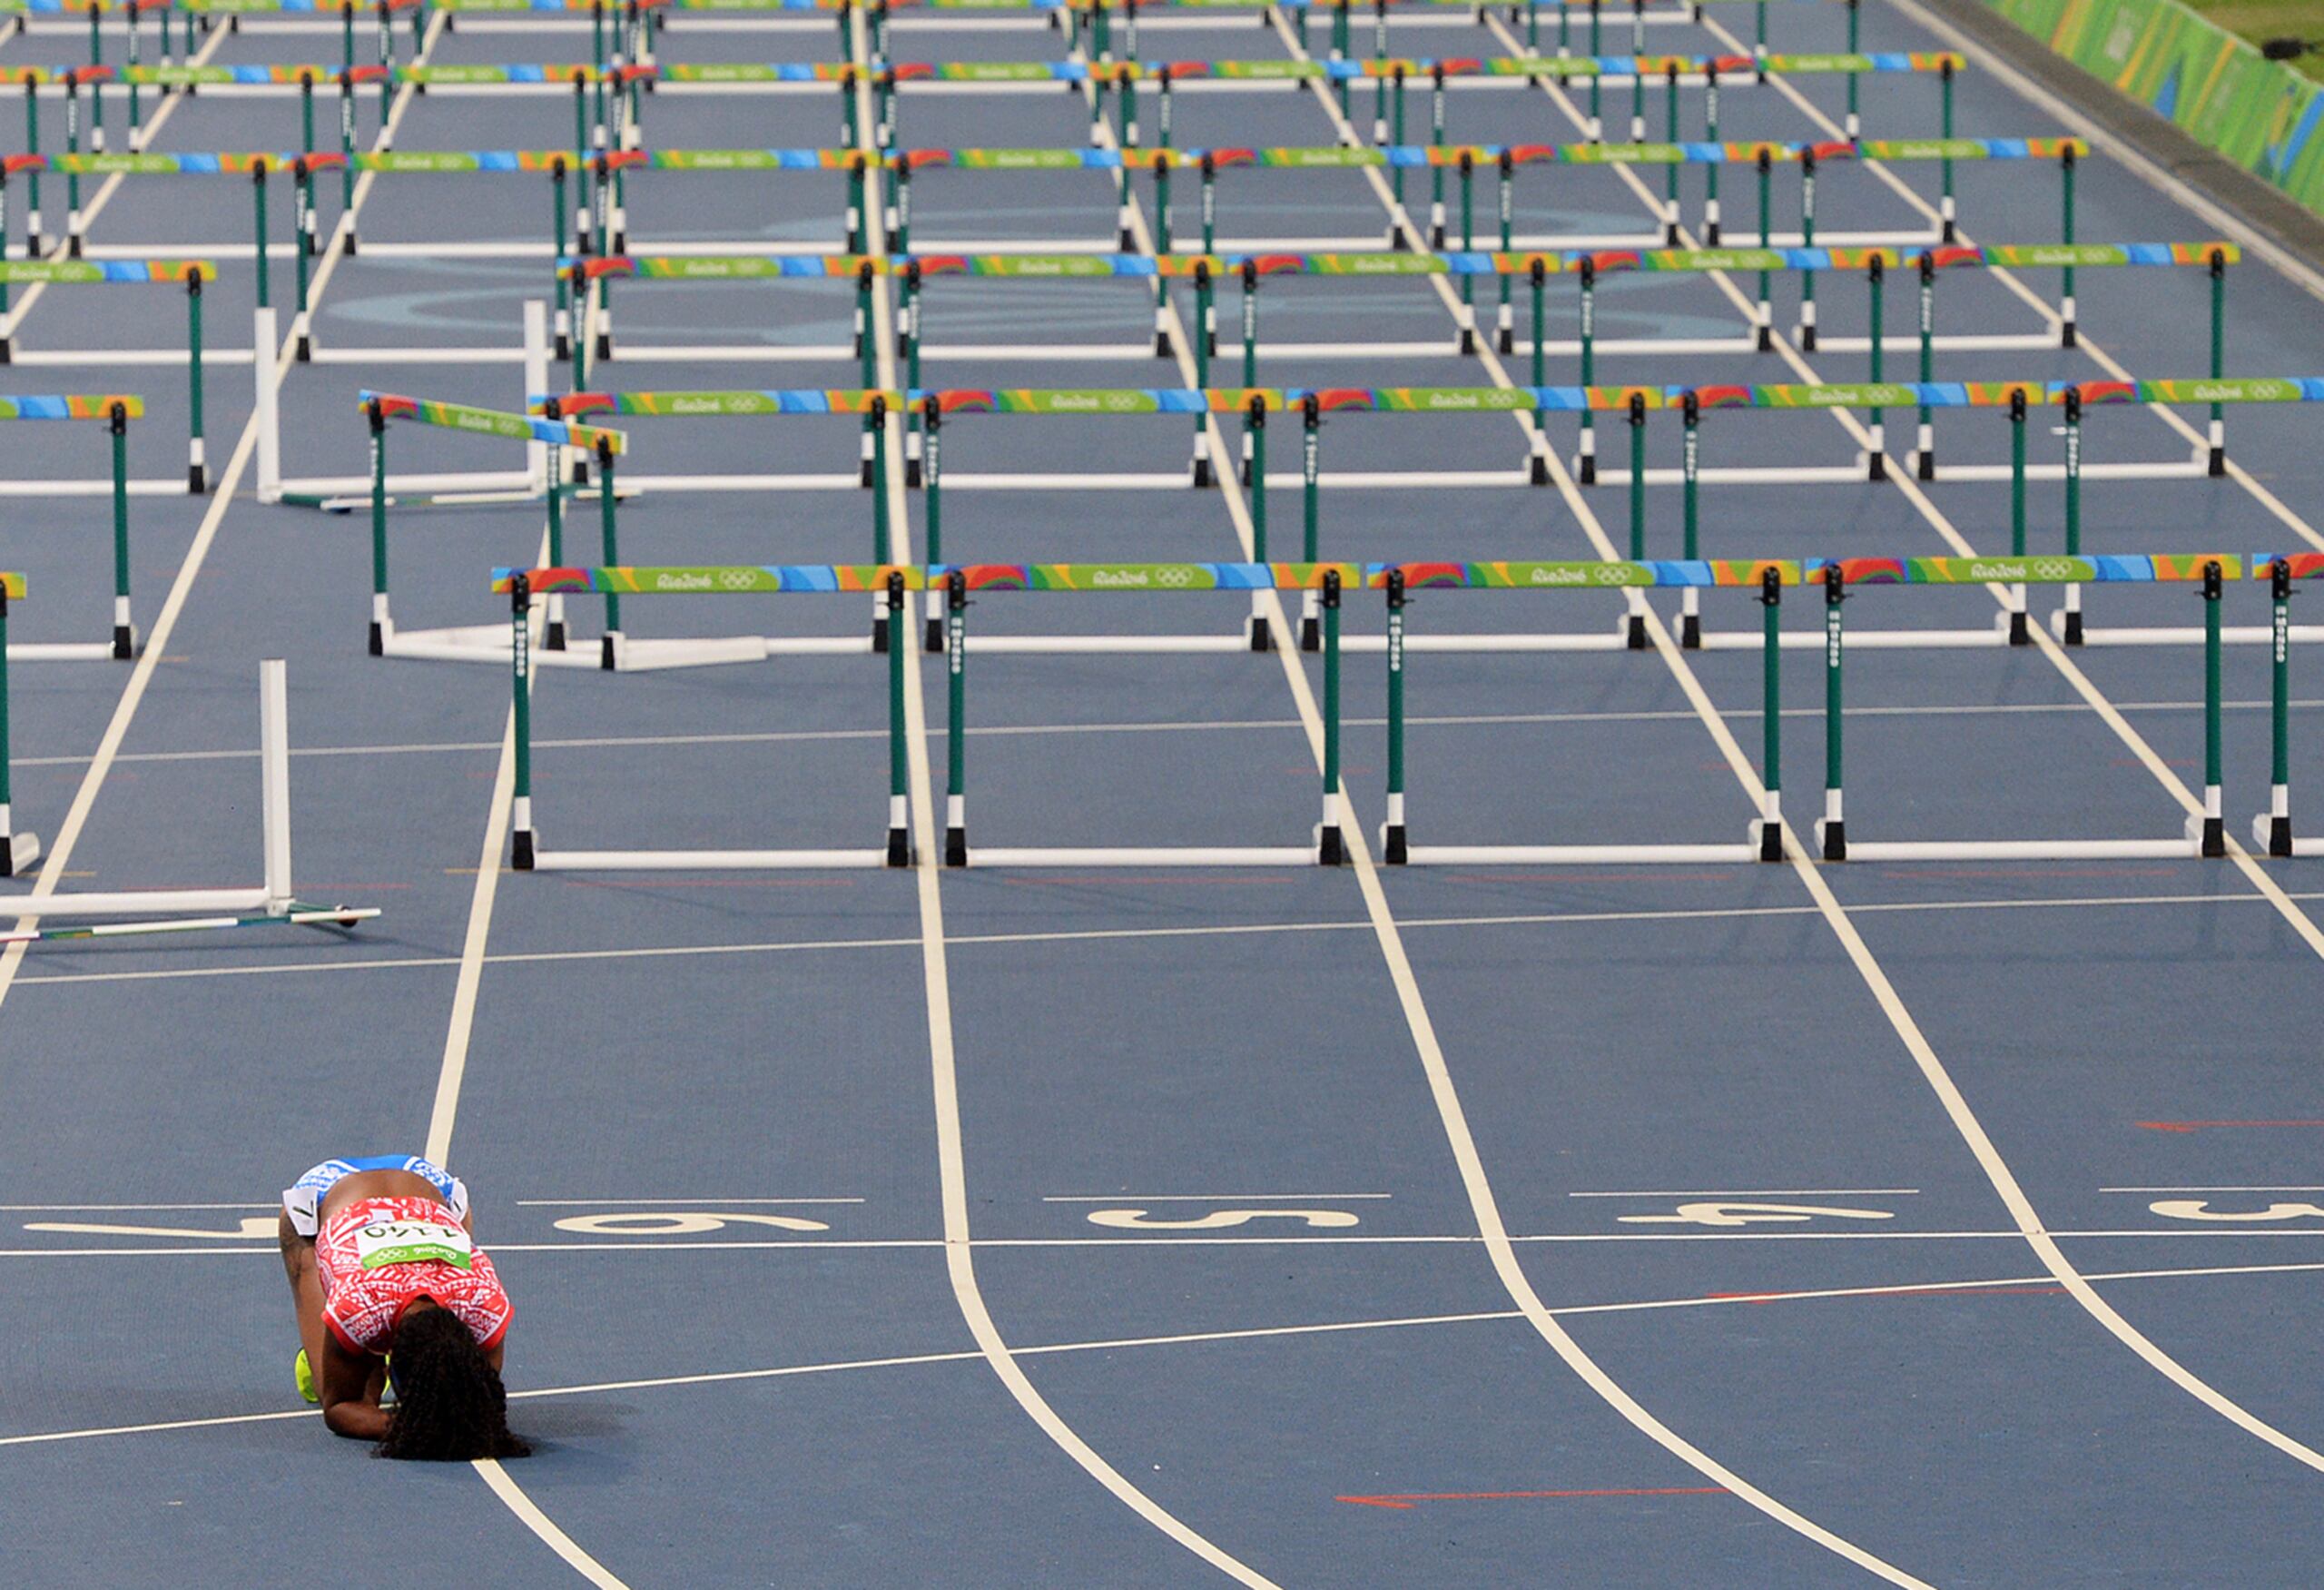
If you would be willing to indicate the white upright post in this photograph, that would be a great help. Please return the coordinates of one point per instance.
(268, 409)
(536, 453)
(275, 780)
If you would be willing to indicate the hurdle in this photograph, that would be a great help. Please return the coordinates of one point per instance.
(116, 410)
(193, 273)
(342, 493)
(486, 642)
(272, 900)
(2204, 833)
(1766, 578)
(2271, 830)
(527, 854)
(1325, 845)
(577, 273)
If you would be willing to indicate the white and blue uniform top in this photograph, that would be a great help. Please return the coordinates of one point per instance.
(302, 1200)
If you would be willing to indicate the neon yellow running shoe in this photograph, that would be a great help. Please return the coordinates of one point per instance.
(305, 1374)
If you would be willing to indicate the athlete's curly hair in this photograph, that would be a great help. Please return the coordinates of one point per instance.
(450, 1403)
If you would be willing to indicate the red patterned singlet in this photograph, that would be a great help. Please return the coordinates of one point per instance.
(378, 1255)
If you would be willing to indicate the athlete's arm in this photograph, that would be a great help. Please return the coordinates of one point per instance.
(351, 1406)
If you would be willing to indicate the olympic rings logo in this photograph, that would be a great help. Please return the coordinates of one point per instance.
(1612, 573)
(2052, 568)
(1175, 576)
(738, 579)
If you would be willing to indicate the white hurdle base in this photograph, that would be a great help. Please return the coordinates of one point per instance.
(2189, 844)
(489, 643)
(1745, 475)
(2168, 635)
(665, 860)
(1494, 855)
(1173, 856)
(272, 894)
(1865, 641)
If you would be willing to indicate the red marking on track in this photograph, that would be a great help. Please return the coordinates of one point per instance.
(1404, 1501)
(2206, 1125)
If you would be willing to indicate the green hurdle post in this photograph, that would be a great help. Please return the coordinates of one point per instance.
(1710, 171)
(1310, 440)
(1759, 39)
(2068, 335)
(96, 84)
(1833, 830)
(1504, 321)
(32, 178)
(2273, 830)
(1587, 473)
(1209, 203)
(130, 16)
(1855, 123)
(1379, 79)
(124, 637)
(1597, 79)
(1162, 119)
(956, 734)
(1468, 242)
(1924, 459)
(898, 760)
(1945, 167)
(376, 421)
(521, 677)
(1536, 279)
(1771, 709)
(1437, 141)
(388, 61)
(867, 474)
(1767, 339)
(598, 75)
(302, 207)
(73, 179)
(1876, 454)
(2073, 511)
(903, 207)
(346, 34)
(884, 637)
(197, 475)
(603, 197)
(1396, 174)
(2017, 631)
(1638, 100)
(258, 200)
(1250, 348)
(347, 167)
(932, 428)
(1331, 849)
(306, 112)
(2217, 466)
(909, 314)
(1392, 848)
(557, 240)
(609, 648)
(1161, 247)
(855, 201)
(1808, 239)
(1206, 343)
(2215, 843)
(1690, 622)
(1670, 171)
(1637, 508)
(1254, 438)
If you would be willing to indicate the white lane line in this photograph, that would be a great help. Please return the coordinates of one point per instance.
(1208, 1196)
(951, 1154)
(513, 1497)
(1434, 720)
(1483, 1202)
(1900, 1017)
(2211, 1189)
(1224, 930)
(729, 1377)
(1770, 1192)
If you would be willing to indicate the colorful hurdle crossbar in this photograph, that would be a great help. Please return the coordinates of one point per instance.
(2203, 834)
(116, 410)
(1328, 580)
(270, 903)
(521, 585)
(192, 273)
(488, 642)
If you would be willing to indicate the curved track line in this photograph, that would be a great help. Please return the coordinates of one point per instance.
(1484, 1206)
(1940, 1081)
(960, 1263)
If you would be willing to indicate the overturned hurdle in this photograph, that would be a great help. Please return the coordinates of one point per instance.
(521, 585)
(272, 900)
(1326, 843)
(116, 410)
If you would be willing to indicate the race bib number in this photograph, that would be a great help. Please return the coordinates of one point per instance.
(385, 1242)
